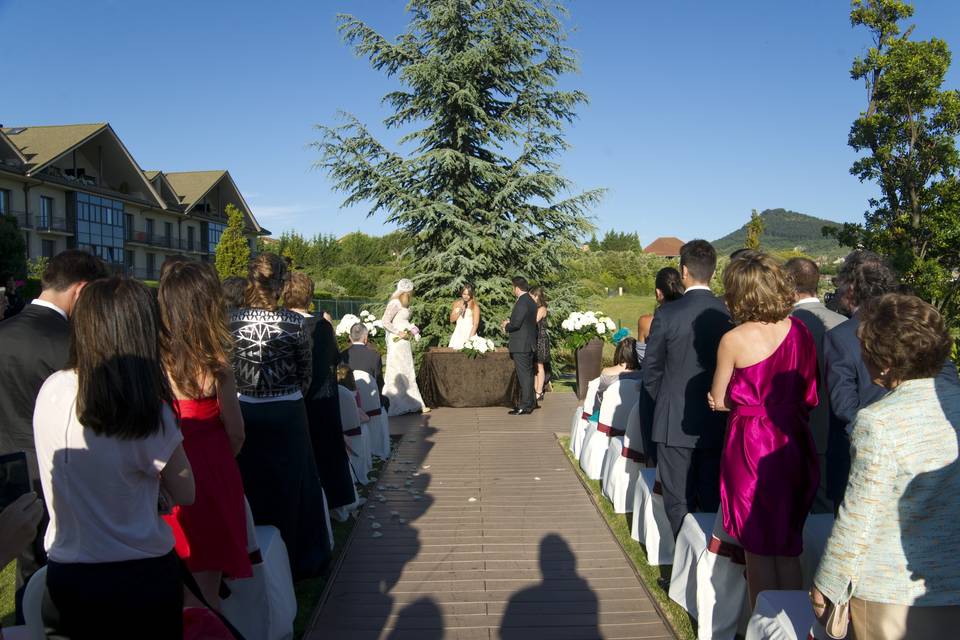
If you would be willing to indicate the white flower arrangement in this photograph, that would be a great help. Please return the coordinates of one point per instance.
(371, 322)
(476, 346)
(584, 326)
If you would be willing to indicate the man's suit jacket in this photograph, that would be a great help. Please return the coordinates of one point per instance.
(33, 344)
(678, 368)
(361, 357)
(523, 325)
(851, 389)
(819, 320)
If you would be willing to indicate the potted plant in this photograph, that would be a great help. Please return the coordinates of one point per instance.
(585, 334)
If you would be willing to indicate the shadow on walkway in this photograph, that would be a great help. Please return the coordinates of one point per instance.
(563, 599)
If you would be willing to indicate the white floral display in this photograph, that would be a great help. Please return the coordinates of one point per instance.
(583, 326)
(371, 322)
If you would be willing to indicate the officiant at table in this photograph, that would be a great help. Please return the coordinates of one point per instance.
(465, 314)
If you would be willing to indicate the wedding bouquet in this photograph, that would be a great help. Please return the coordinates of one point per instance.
(583, 326)
(413, 330)
(475, 346)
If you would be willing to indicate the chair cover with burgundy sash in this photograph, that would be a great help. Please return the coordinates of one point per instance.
(359, 451)
(582, 420)
(651, 528)
(378, 429)
(723, 608)
(690, 546)
(784, 615)
(619, 476)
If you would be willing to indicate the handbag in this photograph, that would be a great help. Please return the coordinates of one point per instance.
(838, 620)
(203, 623)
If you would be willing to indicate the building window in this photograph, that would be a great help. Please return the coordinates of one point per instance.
(48, 248)
(26, 239)
(128, 223)
(4, 202)
(190, 240)
(151, 265)
(100, 226)
(168, 233)
(128, 260)
(214, 231)
(149, 229)
(46, 211)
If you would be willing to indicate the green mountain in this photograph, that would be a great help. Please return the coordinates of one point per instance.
(785, 231)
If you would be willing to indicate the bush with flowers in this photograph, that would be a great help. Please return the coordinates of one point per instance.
(583, 326)
(475, 347)
(375, 330)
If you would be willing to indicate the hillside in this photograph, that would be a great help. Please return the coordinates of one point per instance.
(785, 231)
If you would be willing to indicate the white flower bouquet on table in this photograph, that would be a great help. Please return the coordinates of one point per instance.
(583, 326)
(475, 347)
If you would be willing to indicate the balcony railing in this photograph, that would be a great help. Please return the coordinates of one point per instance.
(164, 242)
(51, 223)
(23, 220)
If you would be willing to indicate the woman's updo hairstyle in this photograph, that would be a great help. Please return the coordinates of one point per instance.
(265, 281)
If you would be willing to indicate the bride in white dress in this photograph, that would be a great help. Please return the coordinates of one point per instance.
(465, 313)
(400, 379)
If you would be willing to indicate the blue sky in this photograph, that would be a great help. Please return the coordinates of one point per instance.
(700, 111)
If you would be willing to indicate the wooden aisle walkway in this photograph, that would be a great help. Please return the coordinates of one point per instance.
(486, 532)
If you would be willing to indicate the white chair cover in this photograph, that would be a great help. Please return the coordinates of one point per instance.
(620, 477)
(265, 605)
(326, 516)
(690, 545)
(579, 436)
(378, 429)
(32, 606)
(633, 444)
(618, 399)
(722, 597)
(574, 424)
(651, 528)
(359, 453)
(783, 615)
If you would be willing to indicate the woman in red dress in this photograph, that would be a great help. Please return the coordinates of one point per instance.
(211, 534)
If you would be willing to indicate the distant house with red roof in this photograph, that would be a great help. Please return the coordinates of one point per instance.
(667, 247)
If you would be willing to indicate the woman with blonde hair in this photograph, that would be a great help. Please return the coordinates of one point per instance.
(400, 379)
(272, 365)
(766, 377)
(195, 346)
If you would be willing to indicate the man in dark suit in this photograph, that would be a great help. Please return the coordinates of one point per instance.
(522, 327)
(819, 320)
(863, 276)
(34, 344)
(678, 369)
(361, 357)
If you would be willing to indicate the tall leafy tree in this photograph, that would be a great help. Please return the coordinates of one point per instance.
(13, 249)
(755, 229)
(233, 253)
(908, 135)
(475, 183)
(620, 241)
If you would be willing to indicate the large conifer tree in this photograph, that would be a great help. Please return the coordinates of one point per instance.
(476, 183)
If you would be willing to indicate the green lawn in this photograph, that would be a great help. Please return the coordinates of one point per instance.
(7, 589)
(625, 310)
(620, 526)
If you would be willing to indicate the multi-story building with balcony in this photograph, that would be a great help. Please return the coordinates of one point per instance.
(77, 186)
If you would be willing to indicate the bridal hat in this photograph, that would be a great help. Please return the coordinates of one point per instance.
(405, 286)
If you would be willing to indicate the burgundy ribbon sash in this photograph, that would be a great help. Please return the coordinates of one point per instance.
(610, 431)
(585, 416)
(657, 488)
(353, 432)
(727, 550)
(374, 412)
(630, 454)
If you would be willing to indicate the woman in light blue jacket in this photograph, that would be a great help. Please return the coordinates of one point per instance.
(894, 553)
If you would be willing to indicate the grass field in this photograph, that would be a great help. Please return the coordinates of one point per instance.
(625, 310)
(7, 589)
(620, 526)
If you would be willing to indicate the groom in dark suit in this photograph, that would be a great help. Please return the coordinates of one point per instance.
(34, 344)
(522, 327)
(678, 370)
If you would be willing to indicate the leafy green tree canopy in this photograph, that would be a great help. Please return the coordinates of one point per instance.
(232, 255)
(477, 187)
(13, 249)
(620, 241)
(908, 136)
(755, 229)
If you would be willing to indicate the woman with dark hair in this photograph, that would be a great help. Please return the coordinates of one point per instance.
(272, 365)
(109, 447)
(766, 377)
(323, 405)
(890, 560)
(195, 345)
(668, 288)
(465, 314)
(626, 366)
(234, 292)
(543, 341)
